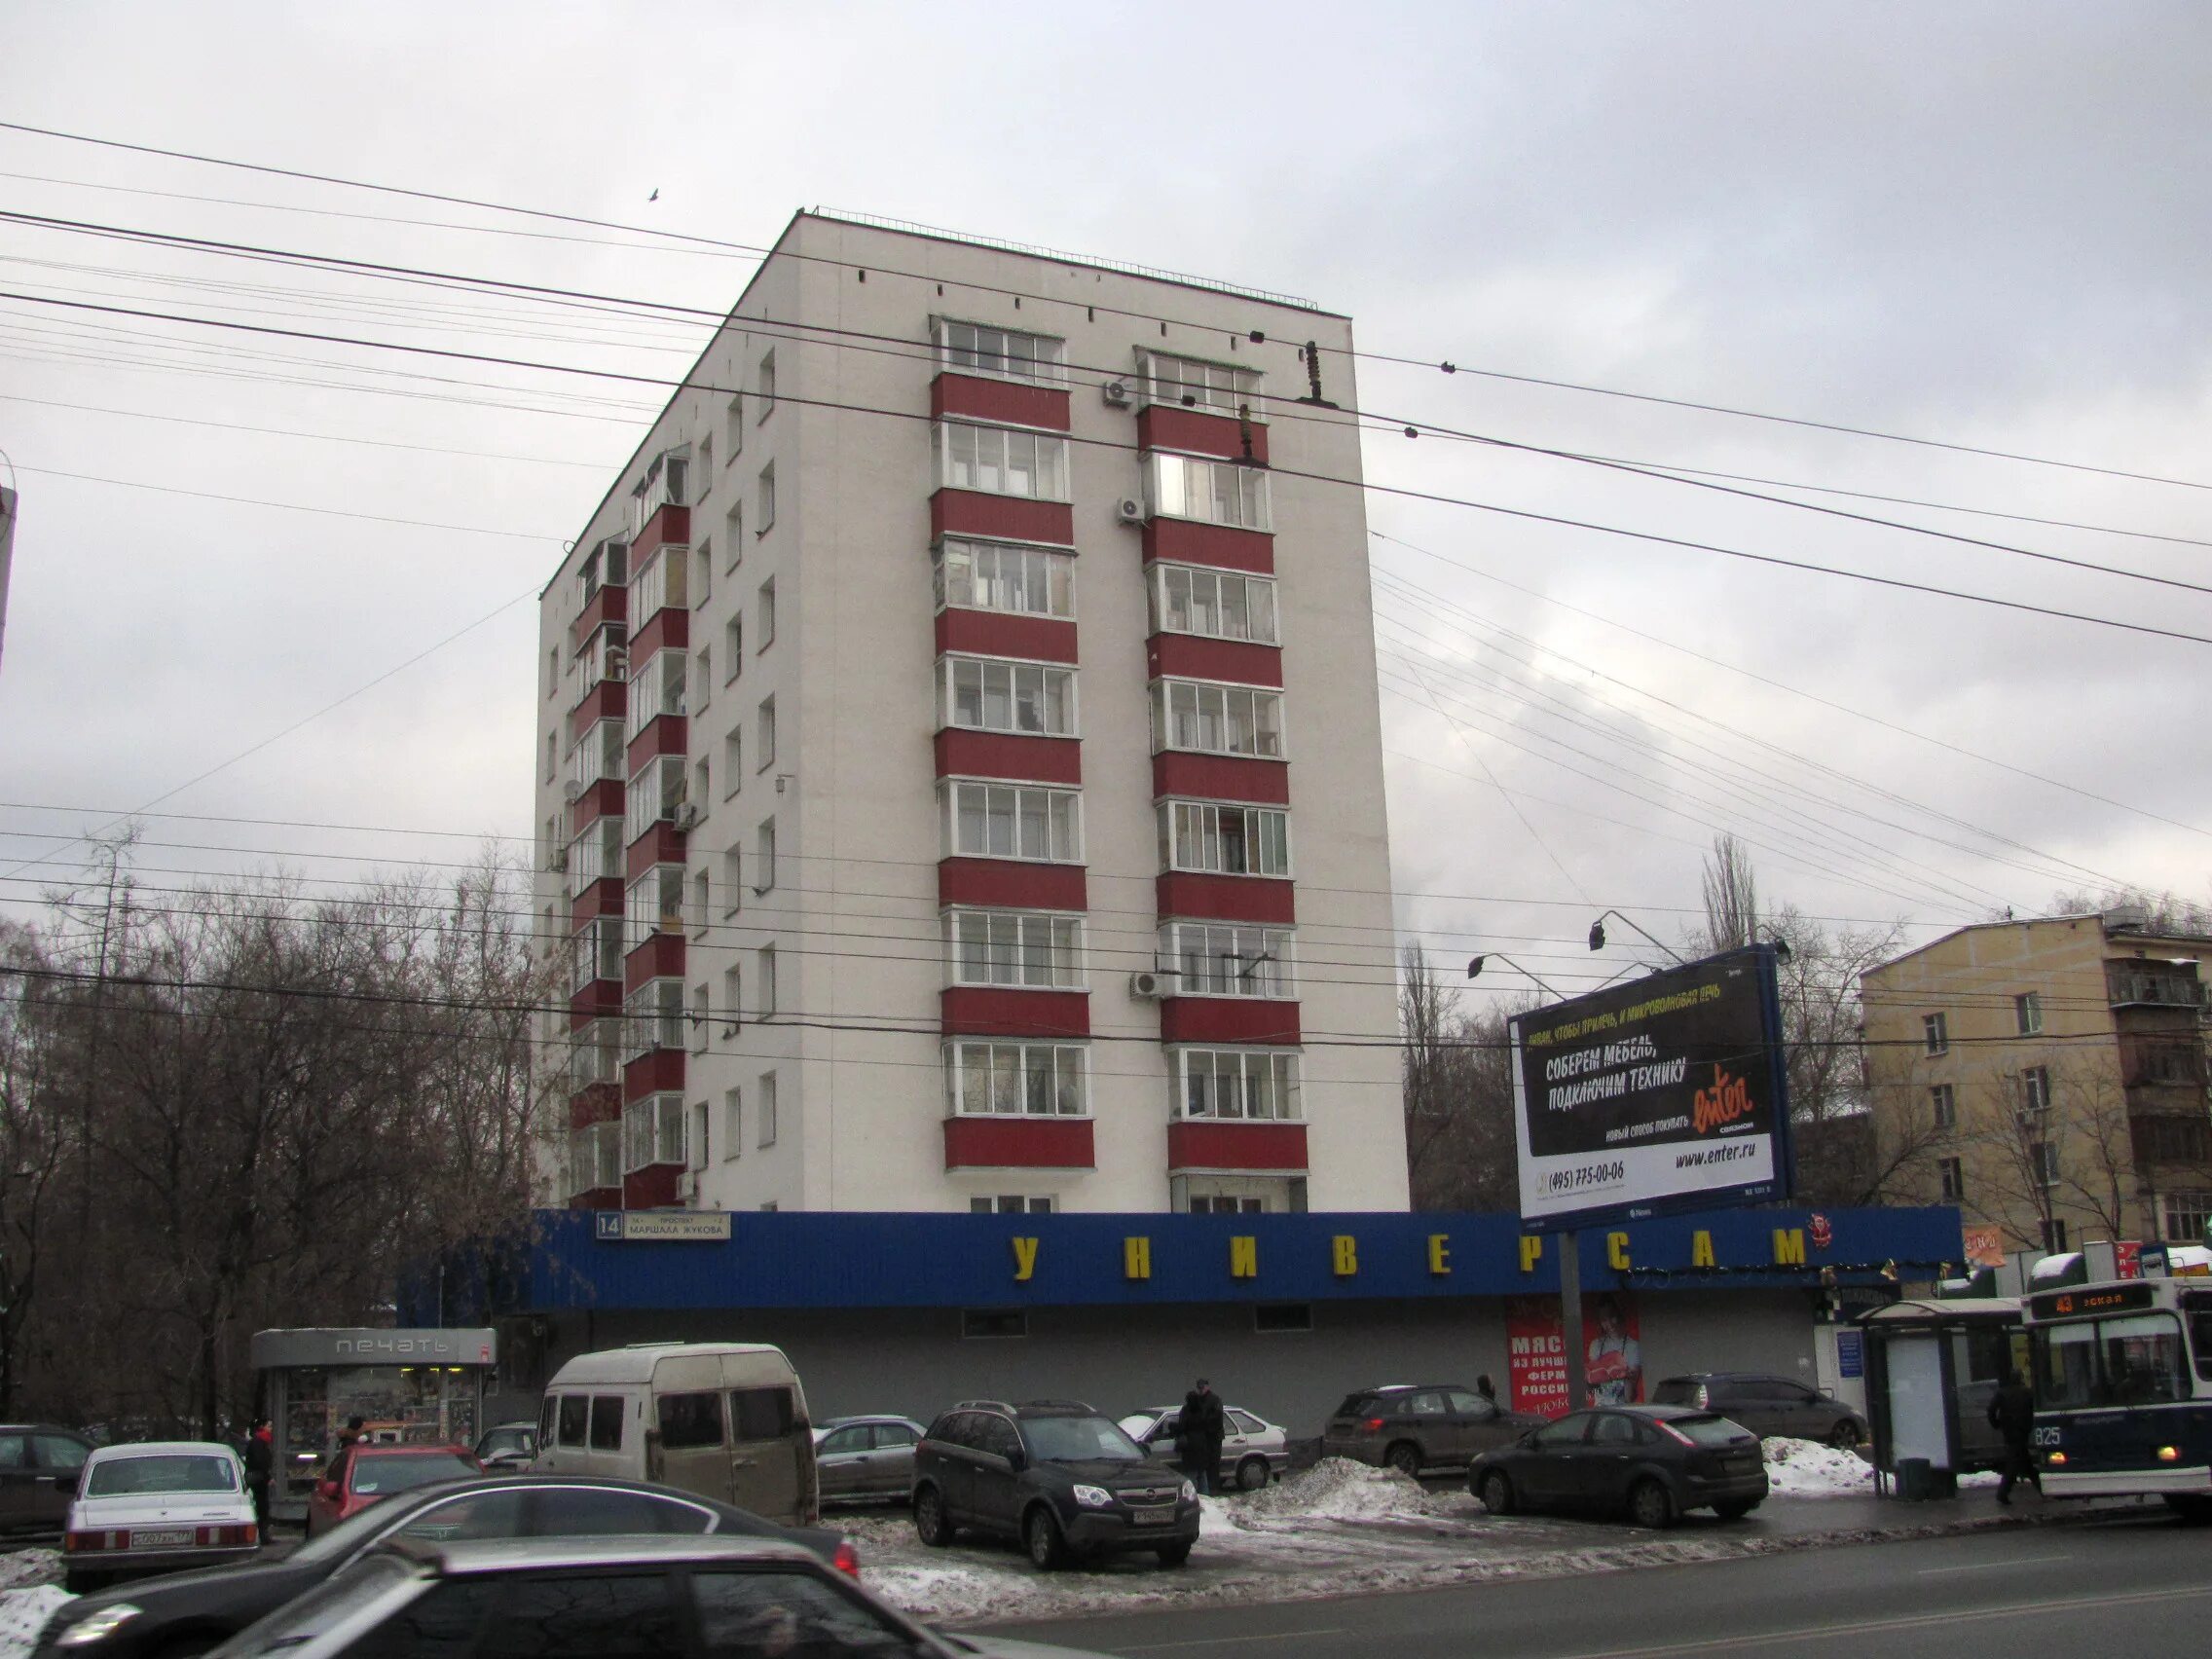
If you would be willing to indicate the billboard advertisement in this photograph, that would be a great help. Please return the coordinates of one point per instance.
(1612, 1359)
(1666, 1093)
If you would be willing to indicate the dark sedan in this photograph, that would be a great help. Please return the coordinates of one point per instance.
(1410, 1428)
(1652, 1463)
(190, 1612)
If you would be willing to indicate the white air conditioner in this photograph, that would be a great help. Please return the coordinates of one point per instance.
(1117, 393)
(577, 788)
(557, 860)
(1130, 509)
(686, 816)
(688, 1187)
(1148, 988)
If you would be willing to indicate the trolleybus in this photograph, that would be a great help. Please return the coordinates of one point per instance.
(2123, 1390)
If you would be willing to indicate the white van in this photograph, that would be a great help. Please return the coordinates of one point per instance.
(726, 1421)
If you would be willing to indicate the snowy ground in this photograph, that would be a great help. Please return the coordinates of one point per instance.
(1337, 1529)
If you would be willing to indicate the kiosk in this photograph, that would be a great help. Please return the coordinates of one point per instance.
(423, 1385)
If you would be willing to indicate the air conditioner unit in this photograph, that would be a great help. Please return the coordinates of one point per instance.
(577, 788)
(686, 816)
(1130, 509)
(1117, 393)
(688, 1187)
(1148, 988)
(557, 860)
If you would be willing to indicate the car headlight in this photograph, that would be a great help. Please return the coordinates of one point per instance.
(98, 1626)
(1093, 1497)
(1189, 1493)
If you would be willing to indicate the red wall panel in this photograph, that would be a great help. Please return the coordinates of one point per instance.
(986, 1011)
(1011, 884)
(605, 701)
(663, 734)
(1228, 1019)
(660, 957)
(1221, 777)
(667, 629)
(1227, 898)
(600, 1103)
(603, 799)
(1207, 1144)
(662, 844)
(602, 898)
(668, 525)
(608, 604)
(1019, 1143)
(970, 512)
(1184, 656)
(597, 1000)
(598, 1197)
(660, 1072)
(1168, 427)
(1008, 755)
(991, 633)
(1188, 543)
(650, 1188)
(1008, 403)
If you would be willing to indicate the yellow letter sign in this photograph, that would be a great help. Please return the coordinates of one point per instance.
(1024, 1259)
(1244, 1256)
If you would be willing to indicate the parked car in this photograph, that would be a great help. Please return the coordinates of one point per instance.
(1411, 1427)
(157, 1507)
(39, 1468)
(1252, 1452)
(865, 1458)
(193, 1611)
(1652, 1462)
(726, 1421)
(1055, 1474)
(364, 1473)
(618, 1596)
(507, 1447)
(1765, 1405)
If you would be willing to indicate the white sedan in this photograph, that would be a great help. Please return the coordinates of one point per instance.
(1252, 1452)
(155, 1508)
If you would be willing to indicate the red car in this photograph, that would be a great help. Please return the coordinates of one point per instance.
(361, 1474)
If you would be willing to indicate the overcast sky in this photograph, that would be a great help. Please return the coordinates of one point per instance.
(1980, 225)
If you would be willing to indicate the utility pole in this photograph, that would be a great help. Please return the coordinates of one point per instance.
(93, 1044)
(1571, 1320)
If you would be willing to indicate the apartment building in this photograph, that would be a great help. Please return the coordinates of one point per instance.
(2048, 1077)
(961, 782)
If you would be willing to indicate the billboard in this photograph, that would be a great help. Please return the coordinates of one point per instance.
(1667, 1093)
(1535, 1353)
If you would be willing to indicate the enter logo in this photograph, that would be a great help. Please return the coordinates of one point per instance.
(1729, 1098)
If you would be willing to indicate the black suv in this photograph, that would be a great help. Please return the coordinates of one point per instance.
(1055, 1474)
(1767, 1406)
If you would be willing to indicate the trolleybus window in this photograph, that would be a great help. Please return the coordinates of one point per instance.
(2128, 1361)
(2200, 1335)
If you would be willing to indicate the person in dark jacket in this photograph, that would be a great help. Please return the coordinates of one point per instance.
(2012, 1413)
(1199, 1434)
(260, 1463)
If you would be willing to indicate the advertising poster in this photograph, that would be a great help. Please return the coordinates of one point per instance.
(1536, 1358)
(1985, 1246)
(1665, 1093)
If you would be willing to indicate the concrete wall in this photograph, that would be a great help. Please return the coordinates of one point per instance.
(916, 1361)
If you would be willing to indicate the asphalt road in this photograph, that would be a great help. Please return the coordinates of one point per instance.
(2092, 1589)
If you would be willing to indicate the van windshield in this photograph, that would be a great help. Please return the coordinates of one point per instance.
(1079, 1440)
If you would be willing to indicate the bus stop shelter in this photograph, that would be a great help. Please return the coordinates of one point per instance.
(1931, 1367)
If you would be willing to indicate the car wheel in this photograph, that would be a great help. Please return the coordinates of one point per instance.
(1496, 1492)
(1845, 1436)
(1252, 1474)
(1650, 1505)
(1737, 1509)
(1175, 1555)
(930, 1524)
(2194, 1511)
(83, 1583)
(1404, 1457)
(1041, 1534)
(188, 1648)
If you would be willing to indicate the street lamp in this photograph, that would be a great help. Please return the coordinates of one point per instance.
(1598, 935)
(1475, 966)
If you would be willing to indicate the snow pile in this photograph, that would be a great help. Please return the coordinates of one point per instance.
(1336, 1488)
(1805, 1468)
(24, 1568)
(24, 1614)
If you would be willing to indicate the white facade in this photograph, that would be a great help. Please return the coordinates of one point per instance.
(813, 693)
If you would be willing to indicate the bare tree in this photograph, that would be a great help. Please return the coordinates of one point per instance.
(1459, 1092)
(1731, 896)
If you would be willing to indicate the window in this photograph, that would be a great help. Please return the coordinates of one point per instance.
(767, 613)
(764, 513)
(1952, 1173)
(1944, 1107)
(1012, 1204)
(575, 1413)
(1220, 604)
(598, 754)
(1002, 460)
(1212, 491)
(1282, 1317)
(766, 380)
(688, 1420)
(702, 789)
(2035, 1089)
(607, 1422)
(733, 646)
(733, 1124)
(733, 882)
(2186, 1216)
(1024, 949)
(696, 1147)
(733, 424)
(653, 905)
(2042, 1163)
(974, 347)
(765, 991)
(733, 998)
(1937, 1031)
(664, 485)
(653, 1132)
(733, 537)
(2131, 1360)
(767, 743)
(702, 675)
(1225, 1203)
(986, 1322)
(996, 576)
(2171, 1138)
(1236, 1083)
(596, 952)
(653, 1016)
(655, 792)
(553, 672)
(733, 760)
(660, 584)
(1038, 1079)
(1013, 820)
(552, 755)
(764, 856)
(1224, 840)
(765, 1095)
(706, 465)
(595, 855)
(1219, 387)
(656, 689)
(700, 1030)
(2027, 1012)
(987, 694)
(594, 1054)
(606, 566)
(1217, 720)
(1226, 958)
(702, 573)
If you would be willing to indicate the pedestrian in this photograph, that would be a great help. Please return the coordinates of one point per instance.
(1487, 1388)
(1199, 1434)
(260, 1463)
(354, 1431)
(2012, 1413)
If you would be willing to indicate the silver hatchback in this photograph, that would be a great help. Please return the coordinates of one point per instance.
(865, 1458)
(1253, 1451)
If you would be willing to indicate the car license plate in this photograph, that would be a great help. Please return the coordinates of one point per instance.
(164, 1538)
(1163, 1516)
(1739, 1465)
